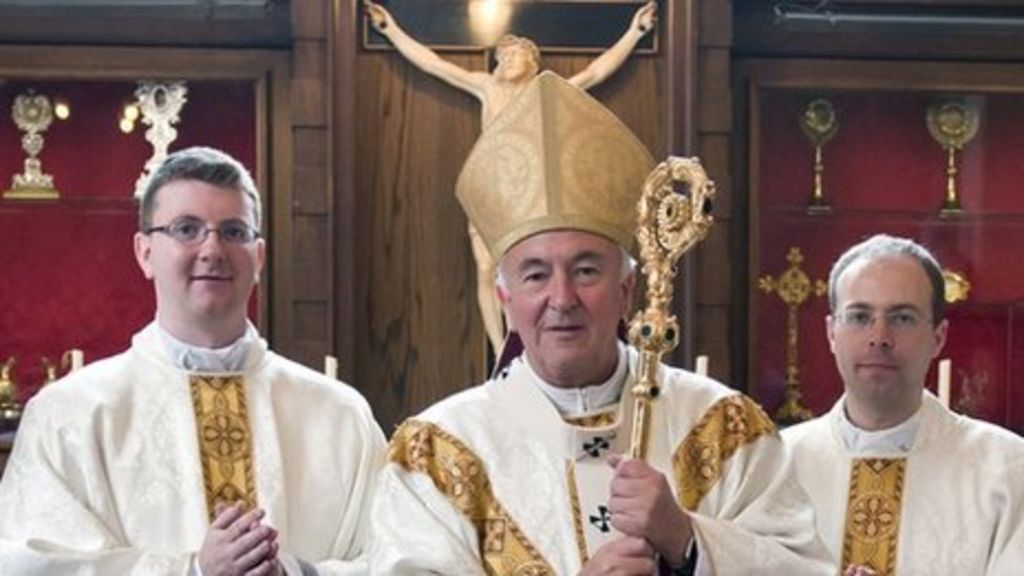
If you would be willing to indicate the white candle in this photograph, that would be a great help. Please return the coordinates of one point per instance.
(77, 359)
(702, 365)
(945, 366)
(331, 366)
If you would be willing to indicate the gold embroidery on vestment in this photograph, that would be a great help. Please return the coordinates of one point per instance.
(225, 442)
(602, 420)
(873, 514)
(729, 424)
(577, 513)
(459, 475)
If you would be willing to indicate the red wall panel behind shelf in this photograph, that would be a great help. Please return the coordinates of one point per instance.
(68, 277)
(884, 173)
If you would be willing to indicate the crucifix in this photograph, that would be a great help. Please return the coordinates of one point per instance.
(518, 62)
(793, 287)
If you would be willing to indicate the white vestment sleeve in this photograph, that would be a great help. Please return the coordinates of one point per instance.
(47, 528)
(357, 519)
(1007, 557)
(416, 530)
(757, 519)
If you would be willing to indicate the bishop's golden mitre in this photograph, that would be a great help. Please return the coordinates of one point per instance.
(554, 159)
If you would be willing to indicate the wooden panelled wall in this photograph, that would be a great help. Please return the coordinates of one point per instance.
(405, 322)
(369, 253)
(305, 332)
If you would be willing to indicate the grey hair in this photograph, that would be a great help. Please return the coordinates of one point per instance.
(205, 165)
(882, 246)
(627, 267)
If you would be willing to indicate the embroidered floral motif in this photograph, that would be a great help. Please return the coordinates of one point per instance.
(728, 425)
(225, 445)
(224, 435)
(421, 452)
(464, 475)
(704, 459)
(872, 516)
(735, 424)
(873, 513)
(494, 535)
(422, 447)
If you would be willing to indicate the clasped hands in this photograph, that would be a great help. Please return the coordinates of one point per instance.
(238, 543)
(644, 510)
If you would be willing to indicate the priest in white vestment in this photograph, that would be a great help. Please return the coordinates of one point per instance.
(523, 474)
(197, 450)
(902, 485)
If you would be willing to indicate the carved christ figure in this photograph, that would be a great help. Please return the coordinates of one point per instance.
(518, 62)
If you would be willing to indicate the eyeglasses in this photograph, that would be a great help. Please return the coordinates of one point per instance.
(896, 320)
(188, 230)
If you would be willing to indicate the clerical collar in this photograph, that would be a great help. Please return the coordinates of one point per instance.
(230, 358)
(900, 438)
(572, 402)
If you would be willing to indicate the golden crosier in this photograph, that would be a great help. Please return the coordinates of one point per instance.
(670, 222)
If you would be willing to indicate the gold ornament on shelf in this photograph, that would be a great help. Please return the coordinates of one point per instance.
(10, 409)
(957, 286)
(820, 123)
(49, 370)
(160, 104)
(33, 114)
(674, 214)
(952, 123)
(794, 287)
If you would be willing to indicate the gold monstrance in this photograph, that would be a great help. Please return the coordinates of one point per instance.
(674, 213)
(33, 114)
(820, 123)
(953, 123)
(794, 287)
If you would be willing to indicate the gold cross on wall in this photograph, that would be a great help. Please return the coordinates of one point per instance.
(794, 287)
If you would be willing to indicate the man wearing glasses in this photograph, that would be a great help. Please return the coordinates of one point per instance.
(902, 485)
(198, 450)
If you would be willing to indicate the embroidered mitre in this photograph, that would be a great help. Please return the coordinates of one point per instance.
(554, 159)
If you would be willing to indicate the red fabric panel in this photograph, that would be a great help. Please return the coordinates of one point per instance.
(884, 173)
(88, 156)
(69, 277)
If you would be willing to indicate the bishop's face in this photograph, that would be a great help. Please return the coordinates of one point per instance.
(564, 293)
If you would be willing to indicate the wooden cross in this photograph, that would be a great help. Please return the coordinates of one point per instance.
(452, 25)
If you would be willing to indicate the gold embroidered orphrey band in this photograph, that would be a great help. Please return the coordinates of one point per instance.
(873, 514)
(729, 424)
(225, 442)
(459, 475)
(577, 513)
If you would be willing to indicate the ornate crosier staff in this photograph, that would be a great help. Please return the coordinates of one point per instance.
(674, 213)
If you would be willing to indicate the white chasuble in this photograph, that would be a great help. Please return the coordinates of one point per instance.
(951, 501)
(116, 467)
(494, 481)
